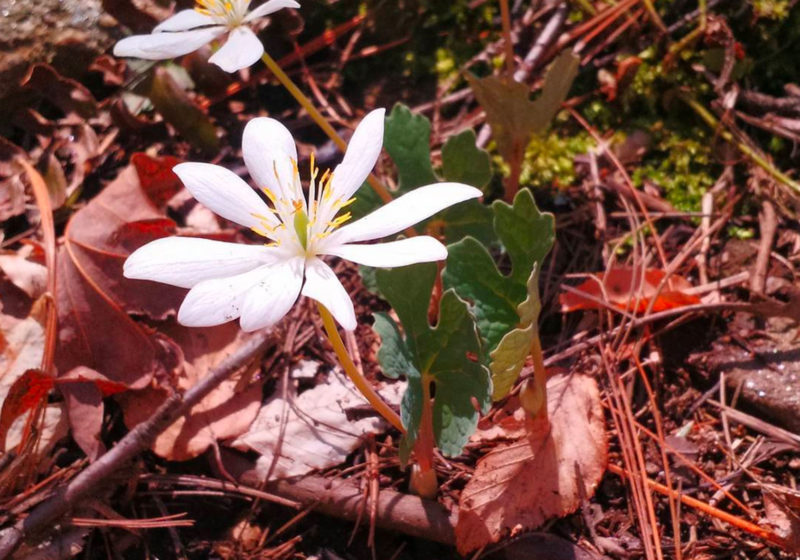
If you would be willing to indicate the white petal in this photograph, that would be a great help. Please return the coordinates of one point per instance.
(225, 193)
(273, 296)
(403, 212)
(323, 286)
(186, 261)
(159, 46)
(217, 301)
(362, 153)
(269, 7)
(267, 147)
(184, 20)
(394, 253)
(241, 50)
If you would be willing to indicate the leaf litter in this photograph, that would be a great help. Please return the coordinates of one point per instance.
(312, 431)
(544, 474)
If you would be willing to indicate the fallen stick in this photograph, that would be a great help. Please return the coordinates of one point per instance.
(137, 440)
(404, 513)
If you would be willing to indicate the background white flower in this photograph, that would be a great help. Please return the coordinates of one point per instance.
(188, 30)
(259, 283)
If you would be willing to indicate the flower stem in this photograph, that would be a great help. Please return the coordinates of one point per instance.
(423, 478)
(533, 393)
(317, 117)
(505, 17)
(352, 371)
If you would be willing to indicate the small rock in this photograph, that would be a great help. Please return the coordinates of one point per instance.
(769, 375)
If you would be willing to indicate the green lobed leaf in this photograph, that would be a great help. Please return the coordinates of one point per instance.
(527, 235)
(406, 137)
(464, 162)
(445, 354)
(507, 359)
(470, 218)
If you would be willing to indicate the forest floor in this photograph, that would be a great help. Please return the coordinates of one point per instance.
(671, 170)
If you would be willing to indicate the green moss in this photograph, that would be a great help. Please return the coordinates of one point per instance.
(776, 10)
(550, 160)
(681, 165)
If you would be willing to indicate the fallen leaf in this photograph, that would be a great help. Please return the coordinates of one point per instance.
(156, 177)
(69, 95)
(624, 289)
(782, 512)
(24, 394)
(520, 485)
(23, 386)
(100, 236)
(27, 274)
(83, 390)
(12, 189)
(136, 16)
(318, 434)
(225, 413)
(180, 111)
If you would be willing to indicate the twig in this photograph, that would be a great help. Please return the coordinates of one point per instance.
(134, 442)
(768, 224)
(397, 511)
(544, 40)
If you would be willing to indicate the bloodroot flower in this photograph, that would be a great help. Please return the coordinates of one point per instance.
(188, 30)
(258, 284)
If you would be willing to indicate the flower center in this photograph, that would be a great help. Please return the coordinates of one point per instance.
(302, 223)
(229, 12)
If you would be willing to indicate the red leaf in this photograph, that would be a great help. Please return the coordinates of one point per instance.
(623, 288)
(25, 394)
(156, 177)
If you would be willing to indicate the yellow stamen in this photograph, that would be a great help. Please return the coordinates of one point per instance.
(269, 195)
(339, 220)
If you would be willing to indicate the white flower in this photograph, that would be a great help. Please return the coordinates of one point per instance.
(188, 30)
(259, 283)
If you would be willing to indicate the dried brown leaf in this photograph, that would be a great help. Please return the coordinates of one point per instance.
(317, 434)
(225, 413)
(519, 486)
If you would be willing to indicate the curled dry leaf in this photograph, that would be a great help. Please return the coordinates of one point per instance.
(520, 485)
(629, 289)
(225, 413)
(318, 433)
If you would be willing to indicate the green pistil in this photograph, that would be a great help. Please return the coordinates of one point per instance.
(301, 227)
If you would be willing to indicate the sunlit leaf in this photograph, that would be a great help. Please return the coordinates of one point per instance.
(527, 235)
(464, 162)
(510, 112)
(446, 354)
(407, 140)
